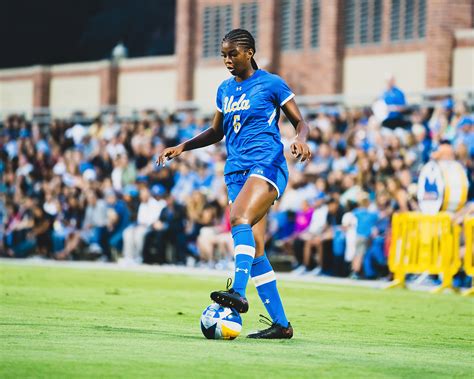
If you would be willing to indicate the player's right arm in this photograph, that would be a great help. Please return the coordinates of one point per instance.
(208, 137)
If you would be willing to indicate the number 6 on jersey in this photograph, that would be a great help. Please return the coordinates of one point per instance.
(236, 123)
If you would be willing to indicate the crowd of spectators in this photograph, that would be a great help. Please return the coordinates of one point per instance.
(89, 189)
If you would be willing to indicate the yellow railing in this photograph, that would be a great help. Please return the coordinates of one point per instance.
(424, 244)
(469, 252)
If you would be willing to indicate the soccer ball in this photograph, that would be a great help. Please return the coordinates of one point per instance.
(218, 322)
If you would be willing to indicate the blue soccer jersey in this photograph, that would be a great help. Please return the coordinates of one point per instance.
(251, 110)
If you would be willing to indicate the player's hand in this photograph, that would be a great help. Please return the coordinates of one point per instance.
(168, 154)
(300, 150)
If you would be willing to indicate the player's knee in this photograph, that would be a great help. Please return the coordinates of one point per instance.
(238, 219)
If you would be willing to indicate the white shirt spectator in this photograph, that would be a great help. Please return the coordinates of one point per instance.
(149, 212)
(308, 192)
(340, 164)
(349, 222)
(12, 149)
(318, 220)
(171, 130)
(24, 170)
(290, 201)
(51, 208)
(77, 133)
(96, 215)
(117, 178)
(323, 123)
(60, 167)
(115, 149)
(111, 131)
(350, 195)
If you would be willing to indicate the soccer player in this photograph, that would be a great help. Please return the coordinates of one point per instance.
(256, 174)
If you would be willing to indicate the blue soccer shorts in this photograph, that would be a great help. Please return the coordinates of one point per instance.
(277, 176)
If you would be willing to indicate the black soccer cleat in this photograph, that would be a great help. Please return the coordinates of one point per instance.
(231, 299)
(275, 331)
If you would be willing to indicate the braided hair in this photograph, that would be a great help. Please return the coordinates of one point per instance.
(242, 38)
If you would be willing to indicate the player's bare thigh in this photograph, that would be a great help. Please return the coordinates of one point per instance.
(253, 202)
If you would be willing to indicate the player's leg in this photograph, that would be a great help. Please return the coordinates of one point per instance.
(250, 206)
(264, 278)
(265, 281)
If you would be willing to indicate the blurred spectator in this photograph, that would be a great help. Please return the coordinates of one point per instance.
(214, 242)
(3, 222)
(19, 240)
(118, 217)
(124, 172)
(94, 231)
(375, 260)
(168, 231)
(149, 211)
(320, 237)
(42, 230)
(185, 183)
(66, 233)
(394, 98)
(366, 221)
(321, 162)
(349, 233)
(171, 130)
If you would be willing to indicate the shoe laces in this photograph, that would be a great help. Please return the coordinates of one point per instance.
(229, 285)
(266, 321)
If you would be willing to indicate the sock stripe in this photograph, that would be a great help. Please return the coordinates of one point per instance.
(244, 249)
(260, 280)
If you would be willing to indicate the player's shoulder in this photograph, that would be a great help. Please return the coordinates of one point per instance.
(270, 77)
(272, 82)
(225, 83)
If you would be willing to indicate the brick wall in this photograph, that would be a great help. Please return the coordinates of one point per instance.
(443, 18)
(185, 47)
(41, 86)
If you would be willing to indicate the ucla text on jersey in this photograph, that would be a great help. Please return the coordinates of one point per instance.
(240, 105)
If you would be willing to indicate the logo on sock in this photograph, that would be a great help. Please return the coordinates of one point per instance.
(267, 301)
(246, 270)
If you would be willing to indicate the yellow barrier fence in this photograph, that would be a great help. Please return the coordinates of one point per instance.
(424, 244)
(469, 252)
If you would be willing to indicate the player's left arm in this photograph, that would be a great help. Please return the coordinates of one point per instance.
(299, 148)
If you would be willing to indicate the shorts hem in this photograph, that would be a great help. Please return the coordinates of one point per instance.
(269, 181)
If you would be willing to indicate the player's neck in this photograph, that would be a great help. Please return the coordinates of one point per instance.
(245, 75)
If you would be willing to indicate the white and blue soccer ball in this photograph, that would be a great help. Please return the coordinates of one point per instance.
(218, 322)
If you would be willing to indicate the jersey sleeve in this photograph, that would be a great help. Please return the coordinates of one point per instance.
(282, 93)
(219, 99)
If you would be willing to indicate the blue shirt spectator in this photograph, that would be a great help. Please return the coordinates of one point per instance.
(123, 215)
(184, 185)
(118, 221)
(465, 133)
(394, 97)
(366, 220)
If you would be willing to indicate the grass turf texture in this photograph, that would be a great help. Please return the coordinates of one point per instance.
(66, 322)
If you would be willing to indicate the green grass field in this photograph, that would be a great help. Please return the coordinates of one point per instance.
(68, 322)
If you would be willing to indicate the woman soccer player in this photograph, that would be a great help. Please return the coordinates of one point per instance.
(256, 174)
